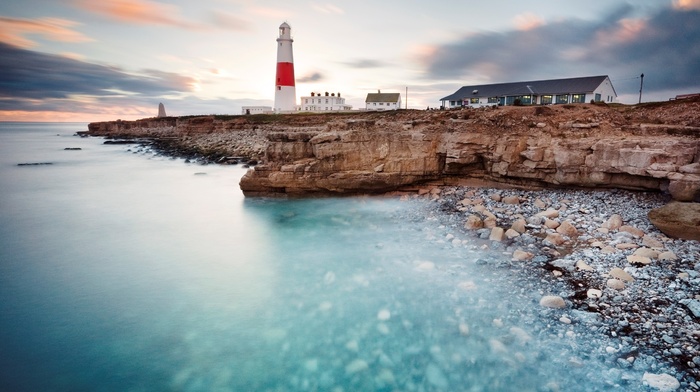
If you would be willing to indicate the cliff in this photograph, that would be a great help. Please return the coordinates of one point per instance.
(643, 147)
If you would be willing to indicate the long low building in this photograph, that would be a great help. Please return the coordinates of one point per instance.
(534, 92)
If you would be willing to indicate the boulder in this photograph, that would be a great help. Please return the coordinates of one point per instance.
(678, 220)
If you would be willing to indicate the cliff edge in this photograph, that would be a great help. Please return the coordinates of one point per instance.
(654, 147)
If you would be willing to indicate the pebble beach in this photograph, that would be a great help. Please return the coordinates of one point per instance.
(592, 258)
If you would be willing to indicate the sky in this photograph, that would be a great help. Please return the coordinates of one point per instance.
(100, 60)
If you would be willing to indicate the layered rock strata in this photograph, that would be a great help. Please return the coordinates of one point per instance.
(573, 146)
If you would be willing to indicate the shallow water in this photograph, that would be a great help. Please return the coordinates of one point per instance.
(124, 271)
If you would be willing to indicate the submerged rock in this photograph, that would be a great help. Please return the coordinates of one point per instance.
(661, 382)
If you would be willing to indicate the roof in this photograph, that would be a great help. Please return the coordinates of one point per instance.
(585, 84)
(382, 97)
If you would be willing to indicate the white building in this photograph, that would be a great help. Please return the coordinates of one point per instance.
(383, 101)
(256, 109)
(323, 103)
(535, 92)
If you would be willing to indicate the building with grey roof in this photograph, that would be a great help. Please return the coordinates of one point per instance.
(534, 92)
(383, 101)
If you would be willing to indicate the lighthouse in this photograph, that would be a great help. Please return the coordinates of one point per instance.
(285, 92)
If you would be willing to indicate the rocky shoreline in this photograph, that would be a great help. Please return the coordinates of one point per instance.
(595, 259)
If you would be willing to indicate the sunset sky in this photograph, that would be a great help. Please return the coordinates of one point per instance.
(89, 60)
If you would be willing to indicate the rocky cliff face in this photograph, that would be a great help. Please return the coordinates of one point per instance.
(652, 147)
(564, 146)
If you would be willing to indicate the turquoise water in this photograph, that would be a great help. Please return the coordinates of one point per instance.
(125, 271)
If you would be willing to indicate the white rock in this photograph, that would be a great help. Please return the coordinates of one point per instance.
(467, 285)
(384, 378)
(463, 329)
(352, 346)
(668, 256)
(615, 284)
(435, 376)
(581, 265)
(329, 277)
(498, 323)
(552, 301)
(662, 382)
(565, 320)
(384, 315)
(311, 365)
(520, 334)
(594, 293)
(621, 274)
(383, 328)
(355, 366)
(426, 266)
(325, 306)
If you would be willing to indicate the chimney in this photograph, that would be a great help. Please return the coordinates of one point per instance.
(379, 91)
(313, 94)
(326, 93)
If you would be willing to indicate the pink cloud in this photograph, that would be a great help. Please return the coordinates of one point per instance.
(686, 4)
(15, 31)
(527, 21)
(137, 12)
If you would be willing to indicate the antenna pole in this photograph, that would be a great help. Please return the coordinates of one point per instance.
(407, 97)
(641, 85)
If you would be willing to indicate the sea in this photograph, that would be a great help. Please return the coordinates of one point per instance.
(125, 270)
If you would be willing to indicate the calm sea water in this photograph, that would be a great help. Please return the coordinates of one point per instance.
(124, 271)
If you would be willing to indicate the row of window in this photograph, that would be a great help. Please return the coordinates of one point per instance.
(528, 99)
(306, 100)
(382, 104)
(317, 108)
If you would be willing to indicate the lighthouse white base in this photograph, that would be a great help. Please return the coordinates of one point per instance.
(285, 99)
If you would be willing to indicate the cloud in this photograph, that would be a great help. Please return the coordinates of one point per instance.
(310, 78)
(687, 4)
(528, 21)
(29, 76)
(144, 12)
(365, 63)
(328, 9)
(662, 45)
(228, 21)
(14, 31)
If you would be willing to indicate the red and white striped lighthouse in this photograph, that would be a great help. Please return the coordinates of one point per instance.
(285, 91)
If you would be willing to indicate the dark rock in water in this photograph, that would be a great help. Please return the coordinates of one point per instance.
(200, 174)
(121, 142)
(678, 220)
(72, 148)
(35, 164)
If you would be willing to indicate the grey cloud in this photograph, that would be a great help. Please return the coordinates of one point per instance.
(312, 77)
(665, 50)
(32, 75)
(365, 63)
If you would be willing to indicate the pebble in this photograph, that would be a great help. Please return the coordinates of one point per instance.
(384, 315)
(552, 301)
(662, 382)
(356, 366)
(615, 284)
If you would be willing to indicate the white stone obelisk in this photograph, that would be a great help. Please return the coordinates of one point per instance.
(285, 90)
(161, 110)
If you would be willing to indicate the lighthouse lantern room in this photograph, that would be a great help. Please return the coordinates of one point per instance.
(285, 90)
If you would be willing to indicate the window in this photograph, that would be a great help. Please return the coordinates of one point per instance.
(546, 100)
(474, 101)
(563, 98)
(279, 87)
(493, 100)
(578, 98)
(597, 98)
(510, 100)
(525, 99)
(306, 100)
(326, 100)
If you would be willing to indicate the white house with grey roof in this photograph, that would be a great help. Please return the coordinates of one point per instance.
(534, 92)
(383, 101)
